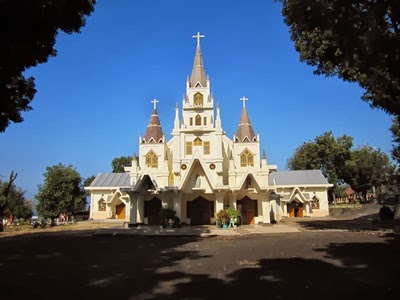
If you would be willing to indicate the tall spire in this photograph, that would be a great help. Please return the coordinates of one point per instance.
(198, 73)
(154, 132)
(245, 132)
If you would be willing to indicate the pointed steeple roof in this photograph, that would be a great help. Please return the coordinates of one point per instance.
(154, 132)
(245, 132)
(198, 73)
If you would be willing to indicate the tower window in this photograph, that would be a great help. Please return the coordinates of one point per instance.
(246, 158)
(151, 159)
(198, 141)
(205, 121)
(191, 121)
(197, 120)
(206, 147)
(198, 99)
(189, 148)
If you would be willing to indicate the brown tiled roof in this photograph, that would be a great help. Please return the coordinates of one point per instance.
(245, 132)
(198, 73)
(154, 132)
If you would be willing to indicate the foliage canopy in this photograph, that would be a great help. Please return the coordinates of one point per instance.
(28, 31)
(356, 40)
(61, 192)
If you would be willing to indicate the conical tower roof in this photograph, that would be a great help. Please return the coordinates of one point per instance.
(245, 132)
(154, 132)
(198, 73)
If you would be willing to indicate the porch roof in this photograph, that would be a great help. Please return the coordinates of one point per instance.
(297, 178)
(111, 180)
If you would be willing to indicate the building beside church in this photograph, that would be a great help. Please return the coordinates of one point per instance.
(200, 170)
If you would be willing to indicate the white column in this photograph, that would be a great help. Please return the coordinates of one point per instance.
(266, 208)
(232, 201)
(285, 209)
(177, 205)
(307, 209)
(140, 209)
(133, 209)
(219, 202)
(91, 206)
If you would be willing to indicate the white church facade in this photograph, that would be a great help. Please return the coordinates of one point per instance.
(199, 170)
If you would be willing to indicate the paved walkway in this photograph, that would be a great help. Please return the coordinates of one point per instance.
(203, 231)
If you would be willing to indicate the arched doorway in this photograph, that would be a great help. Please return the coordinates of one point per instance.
(200, 211)
(248, 210)
(120, 211)
(152, 211)
(295, 209)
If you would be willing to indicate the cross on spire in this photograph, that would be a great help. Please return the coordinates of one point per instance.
(198, 36)
(154, 101)
(244, 99)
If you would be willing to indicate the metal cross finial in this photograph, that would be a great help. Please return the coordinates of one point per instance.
(198, 36)
(154, 101)
(244, 99)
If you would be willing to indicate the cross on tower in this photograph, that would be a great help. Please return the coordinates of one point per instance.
(244, 99)
(198, 36)
(154, 101)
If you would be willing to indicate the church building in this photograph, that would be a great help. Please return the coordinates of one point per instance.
(199, 170)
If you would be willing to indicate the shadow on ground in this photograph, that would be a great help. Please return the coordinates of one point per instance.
(80, 265)
(371, 222)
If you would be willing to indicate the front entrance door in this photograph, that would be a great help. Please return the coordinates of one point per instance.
(200, 211)
(152, 211)
(120, 211)
(248, 210)
(295, 209)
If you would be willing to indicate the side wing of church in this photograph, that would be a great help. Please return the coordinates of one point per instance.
(200, 171)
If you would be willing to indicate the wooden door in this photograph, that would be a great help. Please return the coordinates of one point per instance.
(200, 211)
(290, 210)
(152, 211)
(248, 210)
(120, 211)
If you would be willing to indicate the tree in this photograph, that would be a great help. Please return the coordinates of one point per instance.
(61, 192)
(395, 129)
(5, 196)
(119, 163)
(325, 153)
(28, 32)
(88, 181)
(356, 40)
(367, 168)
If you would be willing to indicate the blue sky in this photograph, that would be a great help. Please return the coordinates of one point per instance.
(93, 99)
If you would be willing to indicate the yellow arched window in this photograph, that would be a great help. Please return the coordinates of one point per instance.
(102, 205)
(197, 141)
(206, 147)
(198, 99)
(197, 120)
(189, 148)
(171, 179)
(151, 159)
(246, 158)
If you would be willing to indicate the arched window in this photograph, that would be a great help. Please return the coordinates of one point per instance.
(197, 120)
(151, 159)
(198, 99)
(206, 147)
(197, 141)
(171, 179)
(315, 202)
(102, 205)
(189, 148)
(246, 158)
